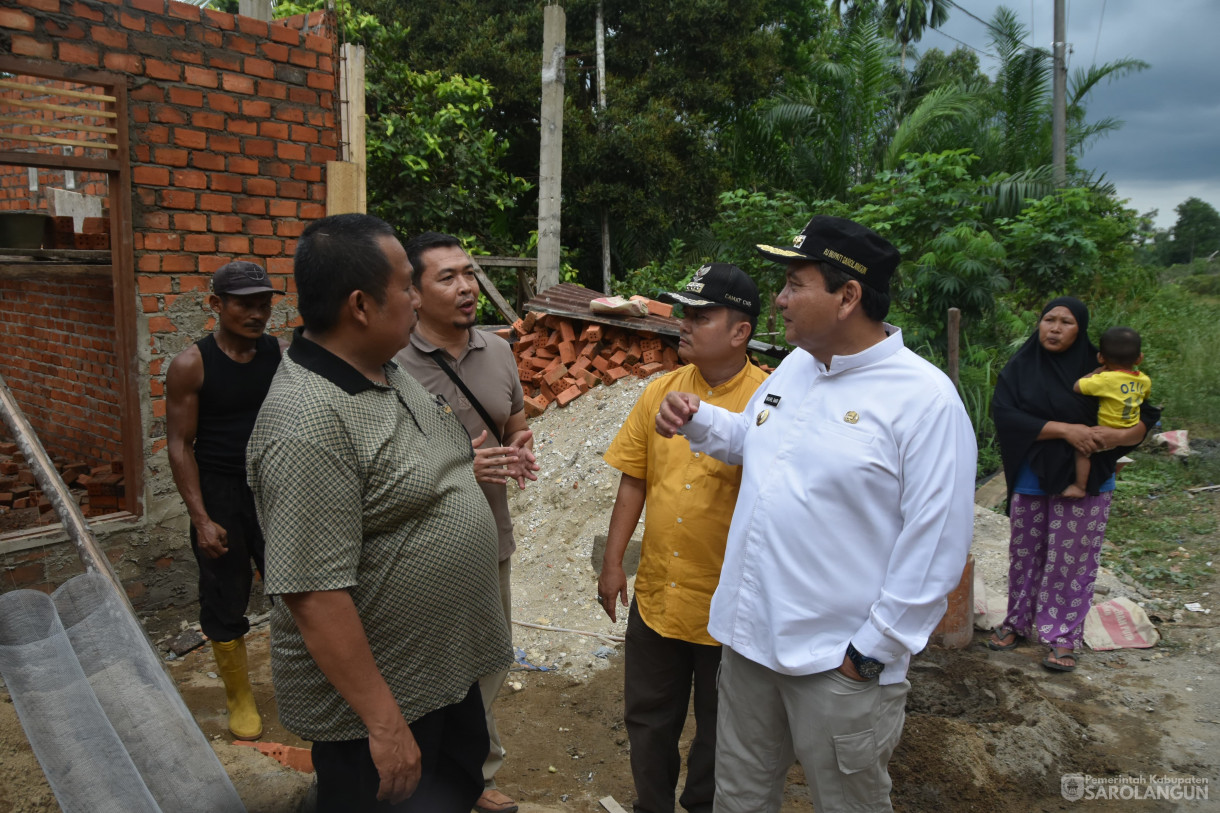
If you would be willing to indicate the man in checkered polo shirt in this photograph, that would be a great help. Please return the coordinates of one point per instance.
(379, 541)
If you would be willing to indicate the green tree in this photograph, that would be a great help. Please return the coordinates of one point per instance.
(654, 159)
(909, 18)
(433, 159)
(1196, 232)
(1075, 239)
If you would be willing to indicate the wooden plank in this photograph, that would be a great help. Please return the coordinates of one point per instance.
(84, 112)
(51, 270)
(69, 142)
(43, 159)
(507, 262)
(57, 124)
(80, 256)
(493, 294)
(610, 805)
(47, 90)
(342, 187)
(126, 310)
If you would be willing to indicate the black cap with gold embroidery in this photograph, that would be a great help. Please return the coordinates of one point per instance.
(845, 244)
(718, 284)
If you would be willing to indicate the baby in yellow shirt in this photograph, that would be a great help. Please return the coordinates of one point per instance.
(1119, 387)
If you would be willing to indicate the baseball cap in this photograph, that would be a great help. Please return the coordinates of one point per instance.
(845, 244)
(718, 284)
(239, 278)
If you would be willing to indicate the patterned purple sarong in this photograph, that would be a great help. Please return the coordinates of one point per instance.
(1053, 554)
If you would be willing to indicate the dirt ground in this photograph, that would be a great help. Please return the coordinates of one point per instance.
(985, 731)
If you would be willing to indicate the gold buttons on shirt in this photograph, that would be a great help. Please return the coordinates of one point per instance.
(852, 417)
(762, 417)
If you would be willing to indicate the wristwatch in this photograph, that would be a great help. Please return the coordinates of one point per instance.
(868, 668)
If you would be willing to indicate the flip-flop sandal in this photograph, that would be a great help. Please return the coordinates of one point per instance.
(1060, 667)
(503, 807)
(993, 643)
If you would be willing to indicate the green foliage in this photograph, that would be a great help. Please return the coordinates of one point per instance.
(434, 160)
(1180, 333)
(746, 219)
(652, 160)
(1196, 232)
(931, 210)
(1067, 241)
(961, 269)
(1161, 536)
(667, 274)
(1202, 284)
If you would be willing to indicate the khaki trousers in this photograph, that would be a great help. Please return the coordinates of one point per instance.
(843, 732)
(489, 685)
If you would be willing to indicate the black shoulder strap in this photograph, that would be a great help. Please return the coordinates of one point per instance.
(439, 358)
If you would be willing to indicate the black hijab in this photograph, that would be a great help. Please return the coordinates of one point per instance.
(1035, 387)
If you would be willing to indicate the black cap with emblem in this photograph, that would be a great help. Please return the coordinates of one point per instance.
(718, 284)
(239, 278)
(845, 244)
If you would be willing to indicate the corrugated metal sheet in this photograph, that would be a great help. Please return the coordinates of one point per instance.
(571, 301)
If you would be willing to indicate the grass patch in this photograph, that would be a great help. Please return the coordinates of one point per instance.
(1159, 535)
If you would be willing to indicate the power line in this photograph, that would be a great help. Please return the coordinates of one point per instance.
(965, 44)
(988, 25)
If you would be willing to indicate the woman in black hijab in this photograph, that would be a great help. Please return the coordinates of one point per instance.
(1055, 547)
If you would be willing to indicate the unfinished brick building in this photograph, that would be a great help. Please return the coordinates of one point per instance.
(177, 139)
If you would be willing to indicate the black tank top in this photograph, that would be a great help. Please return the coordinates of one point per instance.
(229, 401)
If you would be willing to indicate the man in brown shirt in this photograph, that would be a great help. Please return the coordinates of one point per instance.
(445, 335)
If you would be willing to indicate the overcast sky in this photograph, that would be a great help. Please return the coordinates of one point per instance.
(1169, 146)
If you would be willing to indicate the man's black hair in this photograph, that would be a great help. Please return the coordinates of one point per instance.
(1121, 346)
(419, 244)
(742, 316)
(335, 256)
(875, 304)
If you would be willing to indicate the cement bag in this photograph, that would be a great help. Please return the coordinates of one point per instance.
(1119, 623)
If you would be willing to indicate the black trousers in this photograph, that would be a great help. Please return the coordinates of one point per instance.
(452, 743)
(224, 583)
(659, 675)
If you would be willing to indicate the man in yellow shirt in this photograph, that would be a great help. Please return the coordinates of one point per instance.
(690, 500)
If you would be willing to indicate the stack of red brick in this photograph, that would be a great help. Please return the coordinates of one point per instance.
(94, 234)
(560, 359)
(98, 489)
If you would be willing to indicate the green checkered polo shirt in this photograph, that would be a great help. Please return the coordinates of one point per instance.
(370, 488)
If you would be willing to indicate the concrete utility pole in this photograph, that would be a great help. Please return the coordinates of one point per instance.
(601, 103)
(550, 163)
(258, 9)
(1059, 99)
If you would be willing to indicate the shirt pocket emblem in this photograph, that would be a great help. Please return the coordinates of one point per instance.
(851, 417)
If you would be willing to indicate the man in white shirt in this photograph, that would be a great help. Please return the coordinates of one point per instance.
(852, 525)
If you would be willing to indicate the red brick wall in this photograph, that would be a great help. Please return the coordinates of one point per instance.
(231, 123)
(15, 194)
(59, 360)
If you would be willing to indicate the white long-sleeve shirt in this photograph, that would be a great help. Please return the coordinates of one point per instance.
(855, 514)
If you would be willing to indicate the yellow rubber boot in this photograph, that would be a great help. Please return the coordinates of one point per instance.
(244, 720)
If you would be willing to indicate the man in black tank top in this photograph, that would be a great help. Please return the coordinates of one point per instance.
(214, 389)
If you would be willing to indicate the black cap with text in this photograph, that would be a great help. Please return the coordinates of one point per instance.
(845, 244)
(718, 284)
